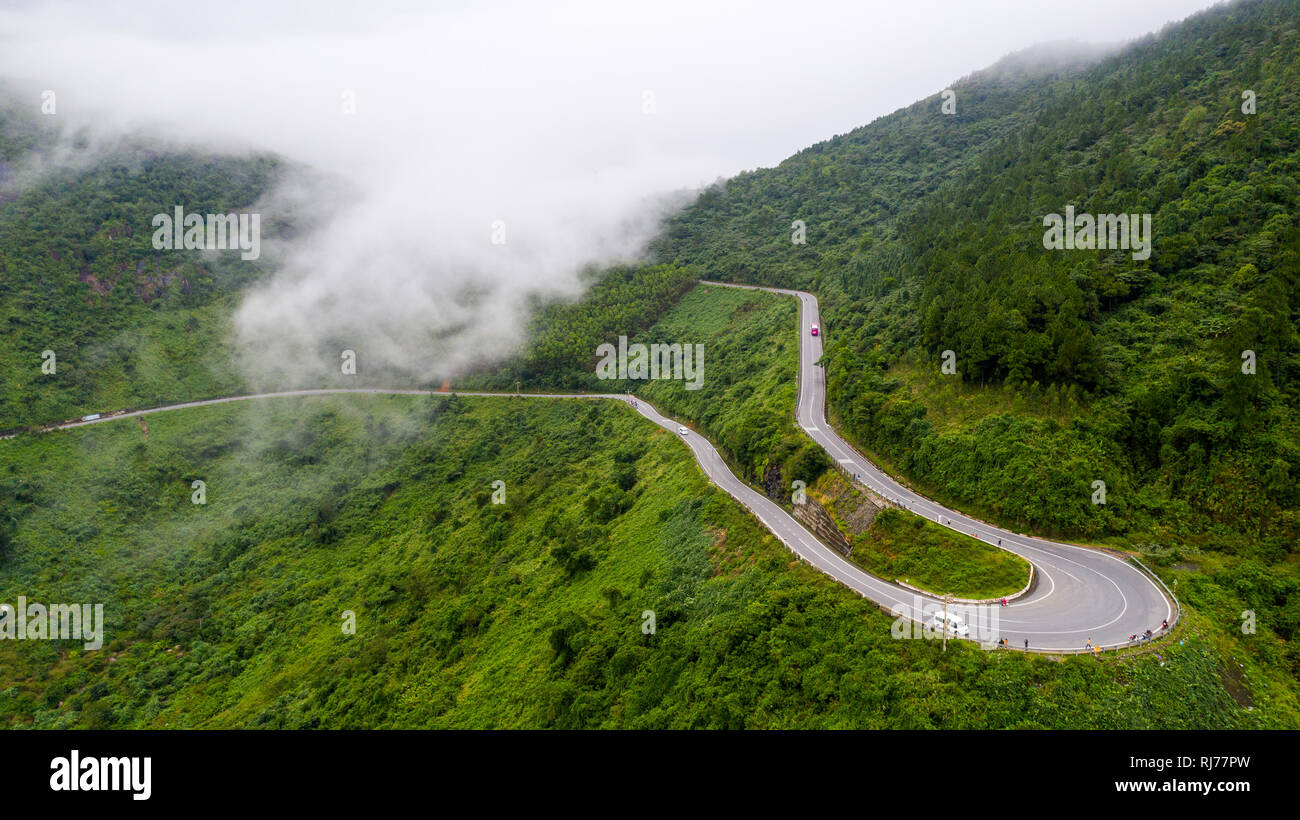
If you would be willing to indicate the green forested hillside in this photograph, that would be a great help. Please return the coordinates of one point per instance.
(851, 190)
(1089, 365)
(560, 352)
(468, 613)
(130, 326)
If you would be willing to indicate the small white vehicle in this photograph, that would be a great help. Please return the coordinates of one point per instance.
(950, 623)
(683, 430)
(91, 417)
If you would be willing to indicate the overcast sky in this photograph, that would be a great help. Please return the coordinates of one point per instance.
(530, 113)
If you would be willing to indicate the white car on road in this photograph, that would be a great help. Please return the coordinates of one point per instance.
(955, 624)
(683, 430)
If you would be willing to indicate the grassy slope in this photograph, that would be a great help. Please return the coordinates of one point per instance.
(906, 546)
(902, 545)
(751, 360)
(228, 614)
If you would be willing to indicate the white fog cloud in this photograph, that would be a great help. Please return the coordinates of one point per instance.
(527, 113)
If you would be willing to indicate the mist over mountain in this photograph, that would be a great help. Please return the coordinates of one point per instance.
(476, 158)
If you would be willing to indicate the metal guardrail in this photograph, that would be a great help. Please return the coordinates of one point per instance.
(1178, 609)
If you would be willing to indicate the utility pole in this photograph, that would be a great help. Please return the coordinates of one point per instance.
(947, 599)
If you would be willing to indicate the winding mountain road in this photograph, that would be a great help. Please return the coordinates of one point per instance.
(1081, 594)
